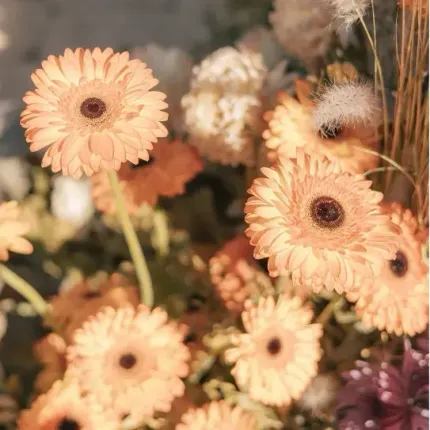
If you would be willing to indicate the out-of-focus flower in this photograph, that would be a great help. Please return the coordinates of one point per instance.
(71, 200)
(278, 356)
(8, 411)
(14, 178)
(235, 275)
(303, 28)
(385, 397)
(397, 300)
(320, 395)
(217, 415)
(11, 231)
(77, 303)
(323, 226)
(51, 352)
(93, 110)
(63, 407)
(222, 110)
(170, 166)
(173, 67)
(346, 12)
(291, 125)
(131, 360)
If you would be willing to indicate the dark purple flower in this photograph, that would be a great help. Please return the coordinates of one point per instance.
(385, 397)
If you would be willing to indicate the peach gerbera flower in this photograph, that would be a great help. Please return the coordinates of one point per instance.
(397, 300)
(234, 274)
(170, 167)
(320, 224)
(51, 352)
(217, 415)
(131, 360)
(93, 110)
(278, 356)
(11, 231)
(291, 125)
(74, 305)
(63, 407)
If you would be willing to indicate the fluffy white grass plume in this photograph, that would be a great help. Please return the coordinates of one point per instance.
(346, 105)
(347, 12)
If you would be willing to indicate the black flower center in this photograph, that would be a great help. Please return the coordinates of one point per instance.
(195, 302)
(274, 346)
(68, 424)
(127, 361)
(332, 132)
(399, 266)
(91, 294)
(143, 163)
(93, 108)
(327, 212)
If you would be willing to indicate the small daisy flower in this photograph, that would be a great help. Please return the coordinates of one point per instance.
(323, 226)
(234, 274)
(93, 110)
(397, 300)
(278, 355)
(51, 352)
(217, 415)
(63, 408)
(291, 125)
(131, 360)
(11, 231)
(170, 166)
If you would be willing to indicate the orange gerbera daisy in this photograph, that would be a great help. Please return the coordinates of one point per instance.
(93, 110)
(63, 408)
(217, 415)
(77, 303)
(234, 274)
(291, 125)
(51, 352)
(278, 356)
(11, 231)
(320, 224)
(131, 360)
(397, 300)
(170, 167)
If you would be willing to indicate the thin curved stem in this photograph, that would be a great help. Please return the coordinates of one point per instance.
(25, 289)
(142, 272)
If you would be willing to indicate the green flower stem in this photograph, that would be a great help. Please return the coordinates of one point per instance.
(142, 272)
(25, 289)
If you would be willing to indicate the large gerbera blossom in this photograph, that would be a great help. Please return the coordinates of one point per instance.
(217, 415)
(93, 110)
(75, 304)
(235, 275)
(170, 167)
(397, 300)
(12, 228)
(278, 356)
(64, 408)
(131, 360)
(291, 125)
(323, 226)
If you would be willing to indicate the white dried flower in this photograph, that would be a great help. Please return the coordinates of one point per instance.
(303, 28)
(173, 68)
(71, 200)
(320, 394)
(346, 12)
(223, 108)
(14, 178)
(347, 104)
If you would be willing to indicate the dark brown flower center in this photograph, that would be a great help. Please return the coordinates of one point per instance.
(68, 424)
(327, 212)
(274, 346)
(127, 361)
(332, 132)
(91, 294)
(143, 163)
(93, 108)
(399, 266)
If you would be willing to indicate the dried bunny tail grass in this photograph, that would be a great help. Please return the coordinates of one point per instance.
(347, 12)
(346, 104)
